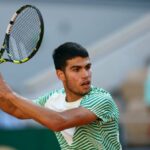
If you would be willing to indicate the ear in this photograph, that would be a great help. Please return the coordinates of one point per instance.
(60, 75)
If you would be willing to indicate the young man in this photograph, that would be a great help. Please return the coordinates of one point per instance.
(83, 117)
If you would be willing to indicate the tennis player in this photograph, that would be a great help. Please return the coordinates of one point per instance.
(83, 117)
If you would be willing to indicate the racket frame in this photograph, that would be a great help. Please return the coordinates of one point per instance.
(5, 46)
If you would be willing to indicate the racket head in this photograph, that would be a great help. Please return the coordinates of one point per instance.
(23, 36)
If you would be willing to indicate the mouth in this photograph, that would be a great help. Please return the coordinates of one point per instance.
(86, 84)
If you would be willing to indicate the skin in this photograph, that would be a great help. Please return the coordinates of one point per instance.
(76, 79)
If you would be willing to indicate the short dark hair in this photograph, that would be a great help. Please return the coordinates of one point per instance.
(67, 51)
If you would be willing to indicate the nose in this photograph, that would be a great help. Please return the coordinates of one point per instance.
(86, 73)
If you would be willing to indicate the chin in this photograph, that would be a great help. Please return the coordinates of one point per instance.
(86, 91)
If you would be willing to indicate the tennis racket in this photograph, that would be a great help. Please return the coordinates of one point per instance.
(23, 36)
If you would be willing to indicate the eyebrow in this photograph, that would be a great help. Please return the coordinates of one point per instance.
(79, 66)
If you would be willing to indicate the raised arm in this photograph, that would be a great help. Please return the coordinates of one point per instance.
(56, 121)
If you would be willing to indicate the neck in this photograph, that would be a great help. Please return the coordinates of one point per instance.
(72, 98)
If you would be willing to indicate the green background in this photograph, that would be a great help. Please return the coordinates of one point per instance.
(29, 139)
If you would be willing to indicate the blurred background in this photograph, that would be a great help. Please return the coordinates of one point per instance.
(117, 36)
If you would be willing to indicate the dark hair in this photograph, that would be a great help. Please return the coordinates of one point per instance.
(67, 51)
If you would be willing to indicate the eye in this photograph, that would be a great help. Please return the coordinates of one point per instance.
(88, 67)
(76, 69)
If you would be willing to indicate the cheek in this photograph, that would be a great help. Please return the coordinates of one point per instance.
(74, 79)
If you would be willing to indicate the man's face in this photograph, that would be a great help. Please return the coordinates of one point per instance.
(77, 76)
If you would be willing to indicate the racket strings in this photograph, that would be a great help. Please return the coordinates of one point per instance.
(25, 34)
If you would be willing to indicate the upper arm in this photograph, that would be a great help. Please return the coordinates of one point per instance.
(77, 117)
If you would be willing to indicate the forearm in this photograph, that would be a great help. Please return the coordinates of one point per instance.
(7, 107)
(49, 118)
(11, 109)
(22, 108)
(5, 102)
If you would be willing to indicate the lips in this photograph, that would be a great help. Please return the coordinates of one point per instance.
(86, 83)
